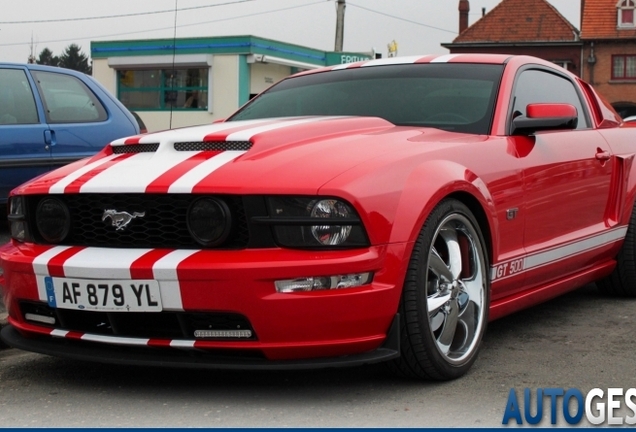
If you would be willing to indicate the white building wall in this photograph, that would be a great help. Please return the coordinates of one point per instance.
(105, 75)
(264, 75)
(223, 83)
(224, 86)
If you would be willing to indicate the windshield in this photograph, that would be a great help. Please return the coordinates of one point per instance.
(453, 97)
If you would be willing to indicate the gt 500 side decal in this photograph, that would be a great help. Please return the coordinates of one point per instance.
(518, 265)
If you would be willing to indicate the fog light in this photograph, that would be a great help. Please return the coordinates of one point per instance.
(323, 282)
(223, 333)
(39, 318)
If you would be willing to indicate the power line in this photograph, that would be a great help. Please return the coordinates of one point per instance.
(122, 15)
(400, 18)
(165, 28)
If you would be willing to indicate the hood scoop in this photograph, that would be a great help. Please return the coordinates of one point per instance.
(213, 146)
(136, 148)
(185, 146)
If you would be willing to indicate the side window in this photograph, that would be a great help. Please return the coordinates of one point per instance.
(17, 105)
(535, 86)
(68, 100)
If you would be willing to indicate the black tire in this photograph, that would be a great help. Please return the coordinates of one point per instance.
(622, 281)
(442, 344)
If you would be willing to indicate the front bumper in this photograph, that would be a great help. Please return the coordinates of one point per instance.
(195, 359)
(348, 326)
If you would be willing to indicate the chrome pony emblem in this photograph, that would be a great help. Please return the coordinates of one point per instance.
(120, 220)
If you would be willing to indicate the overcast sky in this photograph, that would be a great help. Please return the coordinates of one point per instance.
(418, 26)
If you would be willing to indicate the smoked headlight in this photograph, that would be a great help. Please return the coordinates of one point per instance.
(209, 221)
(310, 222)
(52, 220)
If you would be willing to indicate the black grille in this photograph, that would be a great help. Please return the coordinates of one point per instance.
(159, 325)
(135, 148)
(163, 224)
(213, 146)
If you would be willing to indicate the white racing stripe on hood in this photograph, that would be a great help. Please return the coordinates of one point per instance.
(193, 133)
(135, 173)
(186, 182)
(59, 187)
(247, 134)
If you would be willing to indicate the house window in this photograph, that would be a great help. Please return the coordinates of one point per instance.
(624, 67)
(163, 89)
(626, 13)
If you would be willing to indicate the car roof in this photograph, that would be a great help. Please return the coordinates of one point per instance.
(496, 59)
(38, 67)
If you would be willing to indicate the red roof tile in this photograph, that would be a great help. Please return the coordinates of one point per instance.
(600, 21)
(520, 21)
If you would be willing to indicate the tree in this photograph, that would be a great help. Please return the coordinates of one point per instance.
(74, 58)
(46, 57)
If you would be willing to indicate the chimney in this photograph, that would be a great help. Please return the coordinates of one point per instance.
(464, 8)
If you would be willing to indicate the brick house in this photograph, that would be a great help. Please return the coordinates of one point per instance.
(527, 27)
(608, 32)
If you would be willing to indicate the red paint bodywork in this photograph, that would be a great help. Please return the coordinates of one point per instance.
(565, 199)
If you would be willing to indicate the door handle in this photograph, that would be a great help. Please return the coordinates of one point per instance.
(49, 139)
(602, 155)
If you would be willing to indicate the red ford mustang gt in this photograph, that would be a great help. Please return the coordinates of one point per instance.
(376, 211)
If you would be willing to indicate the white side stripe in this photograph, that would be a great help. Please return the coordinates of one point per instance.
(522, 264)
(575, 248)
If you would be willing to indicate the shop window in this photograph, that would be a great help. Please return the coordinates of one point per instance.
(624, 67)
(163, 89)
(626, 13)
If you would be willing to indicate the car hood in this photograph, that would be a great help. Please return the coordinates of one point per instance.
(283, 155)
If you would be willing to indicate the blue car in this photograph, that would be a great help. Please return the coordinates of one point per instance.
(50, 117)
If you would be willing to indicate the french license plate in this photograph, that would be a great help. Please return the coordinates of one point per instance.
(99, 295)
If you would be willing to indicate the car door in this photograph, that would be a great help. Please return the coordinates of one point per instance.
(24, 153)
(567, 181)
(78, 121)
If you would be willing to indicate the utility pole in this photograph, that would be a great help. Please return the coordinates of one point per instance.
(341, 4)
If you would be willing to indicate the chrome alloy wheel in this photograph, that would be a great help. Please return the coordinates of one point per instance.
(455, 285)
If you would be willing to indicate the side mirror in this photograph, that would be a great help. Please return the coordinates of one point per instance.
(542, 117)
